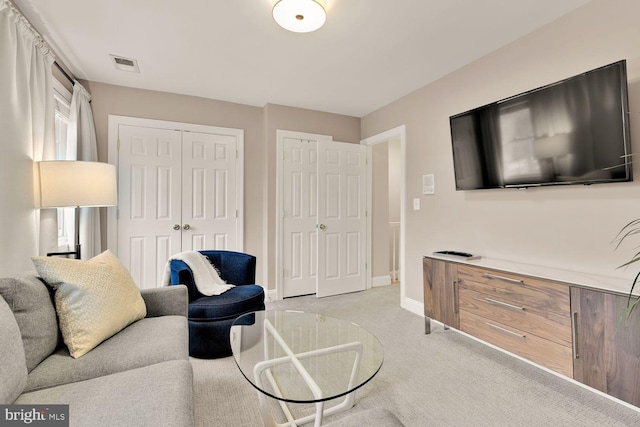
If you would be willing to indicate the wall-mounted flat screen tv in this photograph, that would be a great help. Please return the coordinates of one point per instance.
(575, 131)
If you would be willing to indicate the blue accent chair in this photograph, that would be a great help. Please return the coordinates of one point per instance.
(210, 317)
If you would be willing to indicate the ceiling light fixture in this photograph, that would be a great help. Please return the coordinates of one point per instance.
(300, 16)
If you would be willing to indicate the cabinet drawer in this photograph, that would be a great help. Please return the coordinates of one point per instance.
(533, 294)
(550, 326)
(543, 352)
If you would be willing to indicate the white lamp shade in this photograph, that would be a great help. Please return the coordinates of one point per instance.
(300, 16)
(65, 183)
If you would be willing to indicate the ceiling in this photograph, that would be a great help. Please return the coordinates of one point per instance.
(368, 54)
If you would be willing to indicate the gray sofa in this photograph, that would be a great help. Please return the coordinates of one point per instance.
(139, 377)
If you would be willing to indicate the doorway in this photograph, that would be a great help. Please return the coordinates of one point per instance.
(387, 196)
(180, 188)
(322, 221)
(385, 213)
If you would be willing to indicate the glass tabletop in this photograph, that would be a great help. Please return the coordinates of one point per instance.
(304, 357)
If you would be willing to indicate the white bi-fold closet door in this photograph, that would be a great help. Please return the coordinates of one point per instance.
(323, 225)
(179, 189)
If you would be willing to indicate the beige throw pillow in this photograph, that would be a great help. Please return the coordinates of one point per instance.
(94, 299)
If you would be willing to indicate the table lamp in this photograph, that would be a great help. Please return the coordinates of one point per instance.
(67, 183)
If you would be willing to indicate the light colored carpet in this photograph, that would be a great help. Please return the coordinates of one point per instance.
(441, 379)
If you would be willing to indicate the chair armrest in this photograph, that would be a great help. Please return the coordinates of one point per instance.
(181, 275)
(236, 268)
(166, 301)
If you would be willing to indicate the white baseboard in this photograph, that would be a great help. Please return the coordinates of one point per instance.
(380, 281)
(415, 307)
(270, 295)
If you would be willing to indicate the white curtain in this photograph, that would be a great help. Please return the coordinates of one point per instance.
(26, 135)
(82, 145)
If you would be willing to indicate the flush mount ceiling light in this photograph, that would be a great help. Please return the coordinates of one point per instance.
(300, 16)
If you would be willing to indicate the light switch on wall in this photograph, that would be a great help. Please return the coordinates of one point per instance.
(416, 204)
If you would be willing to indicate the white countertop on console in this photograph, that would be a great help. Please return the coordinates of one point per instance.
(585, 280)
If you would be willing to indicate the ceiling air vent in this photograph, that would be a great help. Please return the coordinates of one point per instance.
(125, 64)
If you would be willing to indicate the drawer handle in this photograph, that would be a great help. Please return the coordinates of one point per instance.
(505, 279)
(511, 306)
(455, 296)
(506, 331)
(574, 326)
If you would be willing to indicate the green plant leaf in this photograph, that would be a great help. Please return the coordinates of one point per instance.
(629, 230)
(632, 306)
(626, 236)
(635, 259)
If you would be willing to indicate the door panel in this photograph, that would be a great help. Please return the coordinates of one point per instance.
(149, 196)
(341, 218)
(607, 343)
(440, 296)
(209, 196)
(300, 217)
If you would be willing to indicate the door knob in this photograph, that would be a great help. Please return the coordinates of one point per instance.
(176, 227)
(323, 227)
(186, 226)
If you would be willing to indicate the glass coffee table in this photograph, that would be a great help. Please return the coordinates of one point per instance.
(297, 357)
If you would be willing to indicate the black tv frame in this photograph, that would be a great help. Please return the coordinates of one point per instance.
(627, 163)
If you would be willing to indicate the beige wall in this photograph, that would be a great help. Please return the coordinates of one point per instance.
(259, 125)
(566, 227)
(118, 100)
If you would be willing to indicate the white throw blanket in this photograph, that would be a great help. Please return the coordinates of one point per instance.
(205, 276)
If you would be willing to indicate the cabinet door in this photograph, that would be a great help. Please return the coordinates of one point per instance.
(440, 291)
(607, 351)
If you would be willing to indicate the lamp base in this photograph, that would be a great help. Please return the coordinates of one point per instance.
(77, 252)
(63, 253)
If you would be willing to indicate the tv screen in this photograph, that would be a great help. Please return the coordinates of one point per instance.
(575, 131)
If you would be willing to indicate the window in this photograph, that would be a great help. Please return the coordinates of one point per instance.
(62, 101)
(519, 163)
